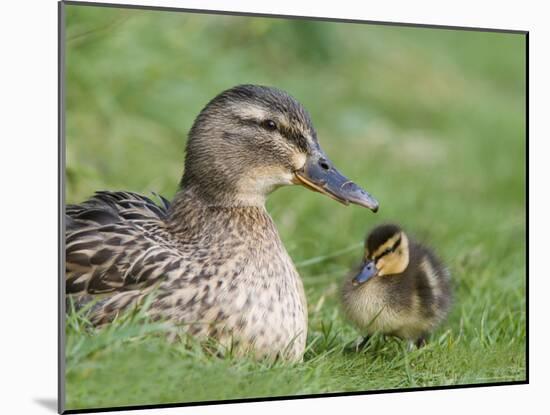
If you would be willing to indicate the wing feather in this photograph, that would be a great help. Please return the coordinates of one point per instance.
(109, 239)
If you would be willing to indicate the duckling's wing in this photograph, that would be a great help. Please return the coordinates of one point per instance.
(110, 240)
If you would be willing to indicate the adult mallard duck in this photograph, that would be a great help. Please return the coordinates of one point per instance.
(400, 289)
(213, 255)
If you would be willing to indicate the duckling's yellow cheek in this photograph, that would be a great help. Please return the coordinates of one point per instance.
(389, 265)
(394, 263)
(381, 265)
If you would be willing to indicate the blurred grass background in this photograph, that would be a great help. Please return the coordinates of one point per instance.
(430, 121)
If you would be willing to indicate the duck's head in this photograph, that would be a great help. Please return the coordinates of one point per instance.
(386, 253)
(251, 139)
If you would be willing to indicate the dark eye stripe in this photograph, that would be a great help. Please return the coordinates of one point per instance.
(389, 250)
(396, 244)
(377, 257)
(292, 135)
(249, 122)
(296, 137)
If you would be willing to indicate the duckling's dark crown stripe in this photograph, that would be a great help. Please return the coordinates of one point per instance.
(381, 234)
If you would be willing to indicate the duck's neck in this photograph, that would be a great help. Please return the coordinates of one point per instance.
(222, 191)
(194, 213)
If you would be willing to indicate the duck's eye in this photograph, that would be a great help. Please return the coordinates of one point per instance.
(269, 125)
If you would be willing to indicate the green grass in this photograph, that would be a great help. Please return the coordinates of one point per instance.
(429, 121)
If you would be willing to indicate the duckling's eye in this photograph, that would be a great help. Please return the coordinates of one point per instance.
(269, 125)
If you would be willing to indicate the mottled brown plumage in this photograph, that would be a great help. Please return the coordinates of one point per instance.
(400, 289)
(212, 258)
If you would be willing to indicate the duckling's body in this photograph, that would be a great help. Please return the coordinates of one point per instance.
(402, 288)
(212, 257)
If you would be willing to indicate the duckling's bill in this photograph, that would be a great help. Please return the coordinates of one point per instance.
(368, 270)
(319, 174)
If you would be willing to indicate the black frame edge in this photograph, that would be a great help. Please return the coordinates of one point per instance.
(61, 206)
(527, 207)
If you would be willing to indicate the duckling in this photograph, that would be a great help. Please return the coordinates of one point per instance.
(401, 289)
(212, 256)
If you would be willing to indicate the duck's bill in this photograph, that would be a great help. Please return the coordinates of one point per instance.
(368, 270)
(320, 175)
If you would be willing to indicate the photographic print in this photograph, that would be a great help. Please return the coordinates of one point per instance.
(261, 207)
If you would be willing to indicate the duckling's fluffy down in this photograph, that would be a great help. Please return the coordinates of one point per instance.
(409, 305)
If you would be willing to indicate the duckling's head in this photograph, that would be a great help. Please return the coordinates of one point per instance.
(386, 253)
(250, 140)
